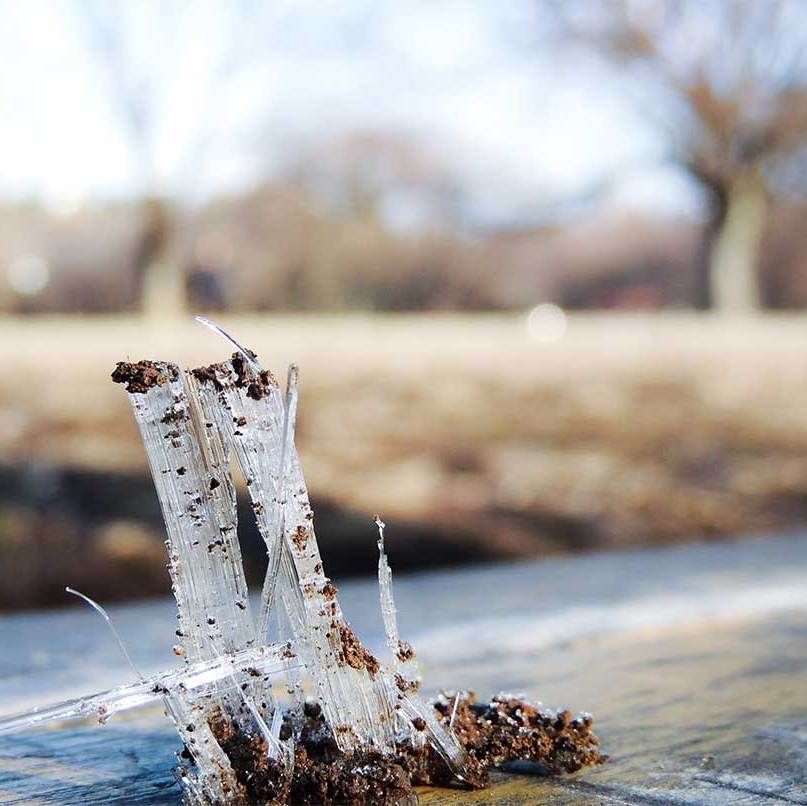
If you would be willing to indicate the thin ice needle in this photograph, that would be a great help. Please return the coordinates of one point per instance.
(105, 616)
(454, 711)
(381, 525)
(287, 443)
(289, 420)
(253, 364)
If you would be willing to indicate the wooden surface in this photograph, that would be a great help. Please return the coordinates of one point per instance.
(693, 661)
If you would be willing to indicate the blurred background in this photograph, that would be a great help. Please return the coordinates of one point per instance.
(542, 265)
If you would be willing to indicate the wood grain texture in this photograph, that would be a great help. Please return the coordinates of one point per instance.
(696, 702)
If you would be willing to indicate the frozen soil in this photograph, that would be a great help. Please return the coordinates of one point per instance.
(494, 734)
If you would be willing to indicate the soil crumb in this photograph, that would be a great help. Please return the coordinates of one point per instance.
(495, 733)
(142, 375)
(257, 385)
(508, 729)
(354, 653)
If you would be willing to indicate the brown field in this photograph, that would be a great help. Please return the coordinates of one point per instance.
(472, 440)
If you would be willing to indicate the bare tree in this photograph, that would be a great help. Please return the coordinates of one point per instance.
(726, 81)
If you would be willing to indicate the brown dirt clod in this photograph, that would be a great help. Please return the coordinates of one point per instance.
(141, 376)
(493, 734)
(354, 654)
(405, 651)
(208, 375)
(300, 537)
(257, 386)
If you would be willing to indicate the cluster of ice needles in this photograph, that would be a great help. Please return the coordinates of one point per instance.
(257, 669)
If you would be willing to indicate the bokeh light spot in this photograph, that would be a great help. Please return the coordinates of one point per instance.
(28, 274)
(546, 323)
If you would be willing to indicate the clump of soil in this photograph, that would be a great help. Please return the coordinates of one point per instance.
(405, 651)
(508, 729)
(354, 653)
(261, 779)
(496, 733)
(142, 375)
(257, 386)
(321, 773)
(208, 375)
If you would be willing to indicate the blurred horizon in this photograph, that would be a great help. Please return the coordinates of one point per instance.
(354, 156)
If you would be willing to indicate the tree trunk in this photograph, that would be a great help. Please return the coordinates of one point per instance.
(735, 252)
(163, 290)
(158, 280)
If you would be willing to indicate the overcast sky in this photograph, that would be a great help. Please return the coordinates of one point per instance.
(230, 90)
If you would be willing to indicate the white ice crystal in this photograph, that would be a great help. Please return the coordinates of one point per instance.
(253, 667)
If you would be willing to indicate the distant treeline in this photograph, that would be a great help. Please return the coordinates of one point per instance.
(279, 248)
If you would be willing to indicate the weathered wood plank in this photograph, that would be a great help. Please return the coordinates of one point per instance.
(124, 763)
(691, 716)
(694, 662)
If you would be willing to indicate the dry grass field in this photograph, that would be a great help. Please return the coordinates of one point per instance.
(472, 439)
